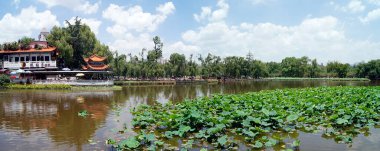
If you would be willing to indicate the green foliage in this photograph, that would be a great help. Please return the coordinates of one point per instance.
(369, 70)
(177, 65)
(338, 69)
(25, 42)
(10, 46)
(38, 86)
(341, 112)
(83, 113)
(75, 42)
(294, 67)
(211, 66)
(4, 80)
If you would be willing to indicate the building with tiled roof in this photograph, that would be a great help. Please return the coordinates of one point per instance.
(95, 63)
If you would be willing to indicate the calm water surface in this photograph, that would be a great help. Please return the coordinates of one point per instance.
(48, 120)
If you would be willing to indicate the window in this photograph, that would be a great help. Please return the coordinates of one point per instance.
(10, 59)
(22, 58)
(6, 58)
(17, 59)
(33, 58)
(38, 58)
(47, 58)
(27, 58)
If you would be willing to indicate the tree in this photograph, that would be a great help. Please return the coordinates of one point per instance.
(294, 67)
(192, 67)
(338, 69)
(314, 69)
(75, 42)
(4, 80)
(274, 69)
(369, 70)
(234, 66)
(258, 69)
(25, 43)
(178, 64)
(211, 66)
(119, 64)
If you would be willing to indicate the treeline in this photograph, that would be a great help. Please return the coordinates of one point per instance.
(211, 66)
(22, 44)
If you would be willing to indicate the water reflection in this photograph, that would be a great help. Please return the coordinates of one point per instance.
(54, 114)
(48, 120)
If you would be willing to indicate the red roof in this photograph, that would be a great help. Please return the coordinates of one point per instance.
(95, 58)
(89, 67)
(49, 49)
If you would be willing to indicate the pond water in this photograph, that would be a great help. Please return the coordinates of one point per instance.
(48, 120)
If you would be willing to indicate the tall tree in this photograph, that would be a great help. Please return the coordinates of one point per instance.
(178, 64)
(338, 69)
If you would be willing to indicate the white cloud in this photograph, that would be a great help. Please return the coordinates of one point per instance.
(133, 27)
(206, 11)
(376, 2)
(130, 43)
(213, 16)
(166, 9)
(354, 6)
(320, 38)
(13, 27)
(77, 5)
(180, 47)
(135, 19)
(94, 24)
(371, 16)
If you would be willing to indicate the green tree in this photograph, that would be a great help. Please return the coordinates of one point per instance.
(119, 64)
(192, 67)
(294, 67)
(178, 64)
(4, 80)
(259, 69)
(338, 69)
(314, 69)
(25, 43)
(75, 42)
(274, 69)
(368, 70)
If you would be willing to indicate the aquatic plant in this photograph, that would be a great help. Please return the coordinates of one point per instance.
(337, 112)
(83, 113)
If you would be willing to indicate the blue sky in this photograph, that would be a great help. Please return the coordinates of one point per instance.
(329, 30)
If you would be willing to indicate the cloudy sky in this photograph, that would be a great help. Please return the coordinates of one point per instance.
(329, 30)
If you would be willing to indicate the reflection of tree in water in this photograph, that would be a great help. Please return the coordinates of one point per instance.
(57, 112)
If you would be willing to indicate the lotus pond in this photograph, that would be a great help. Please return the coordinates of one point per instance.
(258, 120)
(74, 119)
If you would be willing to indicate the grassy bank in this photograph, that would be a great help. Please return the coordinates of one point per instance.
(39, 86)
(325, 79)
(60, 87)
(255, 119)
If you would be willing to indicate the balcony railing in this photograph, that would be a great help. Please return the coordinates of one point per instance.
(77, 82)
(29, 64)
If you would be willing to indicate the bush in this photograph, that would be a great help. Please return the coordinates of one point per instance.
(4, 79)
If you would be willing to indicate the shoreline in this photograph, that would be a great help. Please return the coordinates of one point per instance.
(57, 87)
(209, 81)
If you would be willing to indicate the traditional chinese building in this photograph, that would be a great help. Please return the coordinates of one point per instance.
(39, 56)
(95, 63)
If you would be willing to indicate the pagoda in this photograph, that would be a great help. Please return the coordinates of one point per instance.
(95, 63)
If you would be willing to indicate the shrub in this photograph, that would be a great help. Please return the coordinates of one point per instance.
(4, 79)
